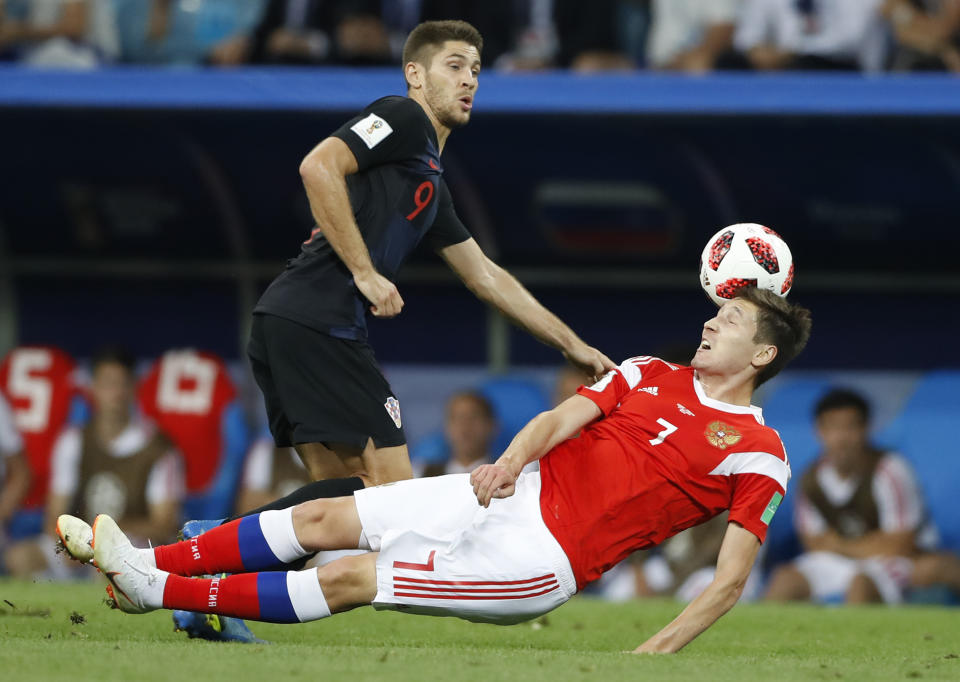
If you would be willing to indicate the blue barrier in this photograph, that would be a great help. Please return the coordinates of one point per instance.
(342, 89)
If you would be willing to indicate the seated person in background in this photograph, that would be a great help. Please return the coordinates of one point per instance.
(62, 33)
(313, 32)
(689, 35)
(115, 462)
(588, 37)
(470, 428)
(269, 474)
(926, 34)
(775, 35)
(860, 517)
(14, 472)
(569, 379)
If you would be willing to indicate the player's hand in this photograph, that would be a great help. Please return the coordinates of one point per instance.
(381, 292)
(589, 360)
(492, 481)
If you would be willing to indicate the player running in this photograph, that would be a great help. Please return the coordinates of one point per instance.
(661, 448)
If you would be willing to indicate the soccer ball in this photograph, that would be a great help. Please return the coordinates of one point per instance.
(745, 254)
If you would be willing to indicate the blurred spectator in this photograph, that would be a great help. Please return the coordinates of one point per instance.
(685, 564)
(40, 385)
(499, 21)
(470, 428)
(186, 31)
(116, 465)
(319, 32)
(14, 472)
(808, 34)
(269, 474)
(59, 33)
(926, 34)
(569, 379)
(689, 35)
(860, 517)
(191, 397)
(588, 36)
(534, 44)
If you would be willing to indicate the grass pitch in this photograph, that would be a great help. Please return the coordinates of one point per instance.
(64, 632)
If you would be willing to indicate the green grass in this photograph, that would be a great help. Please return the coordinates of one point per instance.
(582, 640)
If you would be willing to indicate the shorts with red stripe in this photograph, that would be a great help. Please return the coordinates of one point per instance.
(442, 554)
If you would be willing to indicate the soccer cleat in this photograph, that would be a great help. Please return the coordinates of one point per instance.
(132, 580)
(192, 529)
(75, 538)
(208, 625)
(213, 627)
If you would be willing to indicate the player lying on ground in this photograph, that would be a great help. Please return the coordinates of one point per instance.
(660, 448)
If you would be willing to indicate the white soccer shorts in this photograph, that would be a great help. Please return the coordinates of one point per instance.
(442, 554)
(830, 575)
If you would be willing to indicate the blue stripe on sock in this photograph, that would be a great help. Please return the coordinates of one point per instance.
(275, 604)
(255, 553)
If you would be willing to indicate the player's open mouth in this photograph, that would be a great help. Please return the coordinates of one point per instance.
(704, 345)
(466, 103)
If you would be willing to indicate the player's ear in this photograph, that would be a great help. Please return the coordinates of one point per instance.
(763, 355)
(413, 72)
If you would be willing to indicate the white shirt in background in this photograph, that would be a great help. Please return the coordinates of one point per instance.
(680, 25)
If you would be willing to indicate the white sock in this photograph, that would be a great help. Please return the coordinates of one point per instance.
(277, 528)
(306, 595)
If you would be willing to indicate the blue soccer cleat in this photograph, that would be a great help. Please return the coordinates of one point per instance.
(215, 628)
(193, 528)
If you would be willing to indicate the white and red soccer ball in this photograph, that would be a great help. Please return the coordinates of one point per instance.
(745, 254)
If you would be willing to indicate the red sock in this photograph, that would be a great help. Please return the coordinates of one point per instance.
(216, 551)
(235, 595)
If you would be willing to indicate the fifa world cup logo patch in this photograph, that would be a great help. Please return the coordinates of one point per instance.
(393, 409)
(376, 125)
(721, 436)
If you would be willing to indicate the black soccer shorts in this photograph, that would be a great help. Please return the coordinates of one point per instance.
(321, 389)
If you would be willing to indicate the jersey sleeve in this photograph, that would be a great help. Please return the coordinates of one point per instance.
(617, 383)
(390, 129)
(758, 491)
(166, 480)
(65, 463)
(447, 229)
(806, 518)
(256, 471)
(898, 496)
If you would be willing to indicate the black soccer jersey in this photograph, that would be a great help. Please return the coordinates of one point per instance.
(398, 198)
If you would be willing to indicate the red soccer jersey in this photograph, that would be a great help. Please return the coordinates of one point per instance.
(185, 393)
(38, 382)
(663, 458)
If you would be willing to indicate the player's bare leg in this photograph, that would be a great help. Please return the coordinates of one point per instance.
(862, 590)
(331, 523)
(372, 464)
(940, 568)
(349, 582)
(788, 584)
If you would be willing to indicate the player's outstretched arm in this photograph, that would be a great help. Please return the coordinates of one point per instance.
(737, 554)
(494, 285)
(324, 171)
(536, 439)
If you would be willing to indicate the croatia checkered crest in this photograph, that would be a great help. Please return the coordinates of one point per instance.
(745, 254)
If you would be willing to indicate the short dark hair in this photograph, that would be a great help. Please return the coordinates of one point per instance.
(428, 37)
(477, 399)
(779, 323)
(842, 398)
(114, 354)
